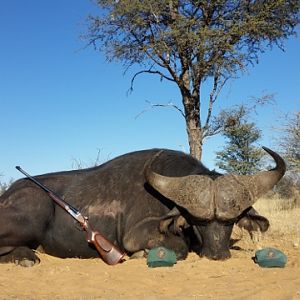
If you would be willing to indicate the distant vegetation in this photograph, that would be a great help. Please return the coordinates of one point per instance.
(4, 186)
(290, 141)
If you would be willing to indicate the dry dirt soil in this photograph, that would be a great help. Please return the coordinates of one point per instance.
(194, 278)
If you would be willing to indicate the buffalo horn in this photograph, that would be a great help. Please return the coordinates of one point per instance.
(227, 196)
(264, 181)
(184, 191)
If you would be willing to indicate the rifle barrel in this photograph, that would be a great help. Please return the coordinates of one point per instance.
(62, 203)
(34, 180)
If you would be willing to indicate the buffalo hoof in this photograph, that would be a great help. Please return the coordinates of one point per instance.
(26, 263)
(21, 256)
(139, 254)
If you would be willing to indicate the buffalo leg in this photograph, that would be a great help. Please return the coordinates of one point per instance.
(146, 235)
(24, 218)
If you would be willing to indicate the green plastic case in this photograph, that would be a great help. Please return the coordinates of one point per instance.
(270, 258)
(161, 257)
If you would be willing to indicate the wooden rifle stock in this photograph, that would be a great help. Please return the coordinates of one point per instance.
(107, 250)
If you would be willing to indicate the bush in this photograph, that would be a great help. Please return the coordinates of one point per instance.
(289, 188)
(4, 186)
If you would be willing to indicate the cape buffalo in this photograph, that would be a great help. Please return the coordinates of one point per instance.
(138, 201)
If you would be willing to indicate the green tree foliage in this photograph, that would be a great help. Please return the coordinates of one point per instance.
(240, 156)
(188, 42)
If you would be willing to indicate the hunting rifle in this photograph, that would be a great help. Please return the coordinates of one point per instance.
(108, 251)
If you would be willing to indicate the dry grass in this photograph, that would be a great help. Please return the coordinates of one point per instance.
(284, 217)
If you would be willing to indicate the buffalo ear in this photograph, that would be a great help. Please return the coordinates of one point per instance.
(252, 221)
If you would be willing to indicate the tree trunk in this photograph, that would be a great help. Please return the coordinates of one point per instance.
(191, 103)
(195, 138)
(193, 125)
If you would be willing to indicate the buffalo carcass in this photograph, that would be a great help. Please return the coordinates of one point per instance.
(138, 201)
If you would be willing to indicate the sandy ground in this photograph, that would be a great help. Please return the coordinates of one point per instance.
(194, 278)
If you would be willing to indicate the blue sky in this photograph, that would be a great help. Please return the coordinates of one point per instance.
(61, 103)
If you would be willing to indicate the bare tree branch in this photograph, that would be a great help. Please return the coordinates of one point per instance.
(164, 63)
(217, 87)
(155, 105)
(149, 71)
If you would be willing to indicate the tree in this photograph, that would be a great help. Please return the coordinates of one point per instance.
(239, 156)
(188, 42)
(290, 142)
